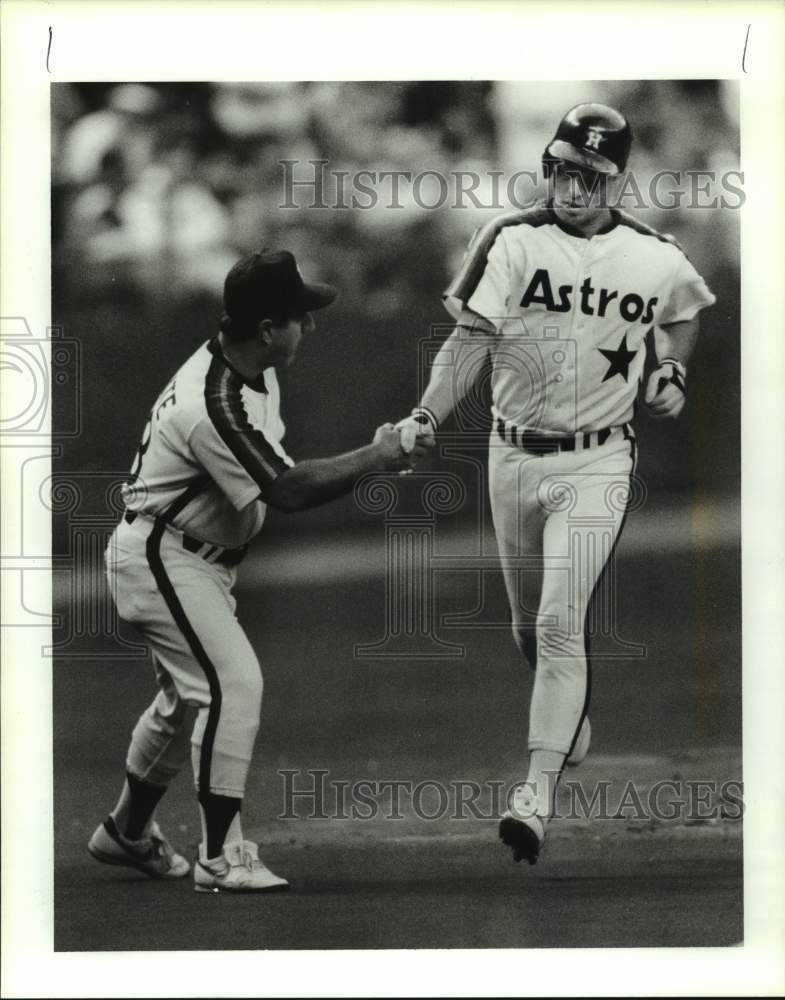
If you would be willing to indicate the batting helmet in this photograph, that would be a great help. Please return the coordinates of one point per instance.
(593, 136)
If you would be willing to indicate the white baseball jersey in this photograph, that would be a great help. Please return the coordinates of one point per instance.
(572, 314)
(219, 435)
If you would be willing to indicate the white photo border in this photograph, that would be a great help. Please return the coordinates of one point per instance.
(192, 40)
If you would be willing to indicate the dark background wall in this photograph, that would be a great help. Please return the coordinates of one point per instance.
(158, 188)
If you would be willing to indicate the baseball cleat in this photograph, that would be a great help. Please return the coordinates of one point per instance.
(153, 855)
(521, 828)
(238, 869)
(582, 744)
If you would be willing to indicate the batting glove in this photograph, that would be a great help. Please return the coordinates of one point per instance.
(421, 424)
(417, 430)
(666, 390)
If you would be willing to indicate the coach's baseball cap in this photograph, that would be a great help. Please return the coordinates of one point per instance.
(268, 284)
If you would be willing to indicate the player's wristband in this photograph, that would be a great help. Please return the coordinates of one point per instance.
(425, 417)
(679, 377)
(678, 365)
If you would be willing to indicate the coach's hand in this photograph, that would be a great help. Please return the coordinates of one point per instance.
(666, 389)
(399, 451)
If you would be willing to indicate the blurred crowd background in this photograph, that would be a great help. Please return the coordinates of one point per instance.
(158, 188)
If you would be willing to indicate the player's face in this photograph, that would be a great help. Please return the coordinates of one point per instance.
(579, 196)
(286, 338)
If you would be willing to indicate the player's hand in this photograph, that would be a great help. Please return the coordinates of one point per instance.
(414, 433)
(665, 390)
(417, 438)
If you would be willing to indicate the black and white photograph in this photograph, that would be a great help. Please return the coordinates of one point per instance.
(383, 500)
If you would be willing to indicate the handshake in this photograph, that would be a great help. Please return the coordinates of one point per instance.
(408, 441)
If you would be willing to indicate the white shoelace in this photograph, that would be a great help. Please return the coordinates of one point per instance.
(248, 860)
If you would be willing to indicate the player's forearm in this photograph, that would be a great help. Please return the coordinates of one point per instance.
(666, 388)
(677, 340)
(318, 480)
(455, 368)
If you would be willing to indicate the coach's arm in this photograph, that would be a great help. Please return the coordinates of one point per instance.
(316, 481)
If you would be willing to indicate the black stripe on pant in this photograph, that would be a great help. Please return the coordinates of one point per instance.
(177, 611)
(586, 637)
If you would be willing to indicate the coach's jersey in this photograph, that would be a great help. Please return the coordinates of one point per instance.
(214, 432)
(572, 314)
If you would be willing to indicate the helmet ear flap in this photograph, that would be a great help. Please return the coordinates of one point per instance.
(548, 164)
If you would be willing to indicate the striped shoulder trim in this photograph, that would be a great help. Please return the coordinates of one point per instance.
(468, 278)
(223, 399)
(536, 215)
(645, 230)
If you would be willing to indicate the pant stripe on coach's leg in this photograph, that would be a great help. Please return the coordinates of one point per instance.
(181, 620)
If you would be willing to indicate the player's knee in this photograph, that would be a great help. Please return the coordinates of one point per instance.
(560, 633)
(556, 644)
(559, 656)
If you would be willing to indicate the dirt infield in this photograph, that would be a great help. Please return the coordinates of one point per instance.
(414, 894)
(382, 882)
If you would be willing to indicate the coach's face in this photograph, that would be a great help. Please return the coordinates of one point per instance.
(580, 195)
(285, 339)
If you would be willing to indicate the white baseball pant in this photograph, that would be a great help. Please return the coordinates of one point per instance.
(183, 607)
(557, 517)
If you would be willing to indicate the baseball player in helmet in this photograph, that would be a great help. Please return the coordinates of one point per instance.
(210, 461)
(562, 296)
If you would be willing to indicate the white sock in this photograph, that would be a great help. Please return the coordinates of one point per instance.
(235, 832)
(544, 768)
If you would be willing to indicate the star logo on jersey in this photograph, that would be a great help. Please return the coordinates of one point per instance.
(619, 360)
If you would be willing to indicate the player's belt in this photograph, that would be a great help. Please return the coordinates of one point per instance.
(547, 444)
(208, 551)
